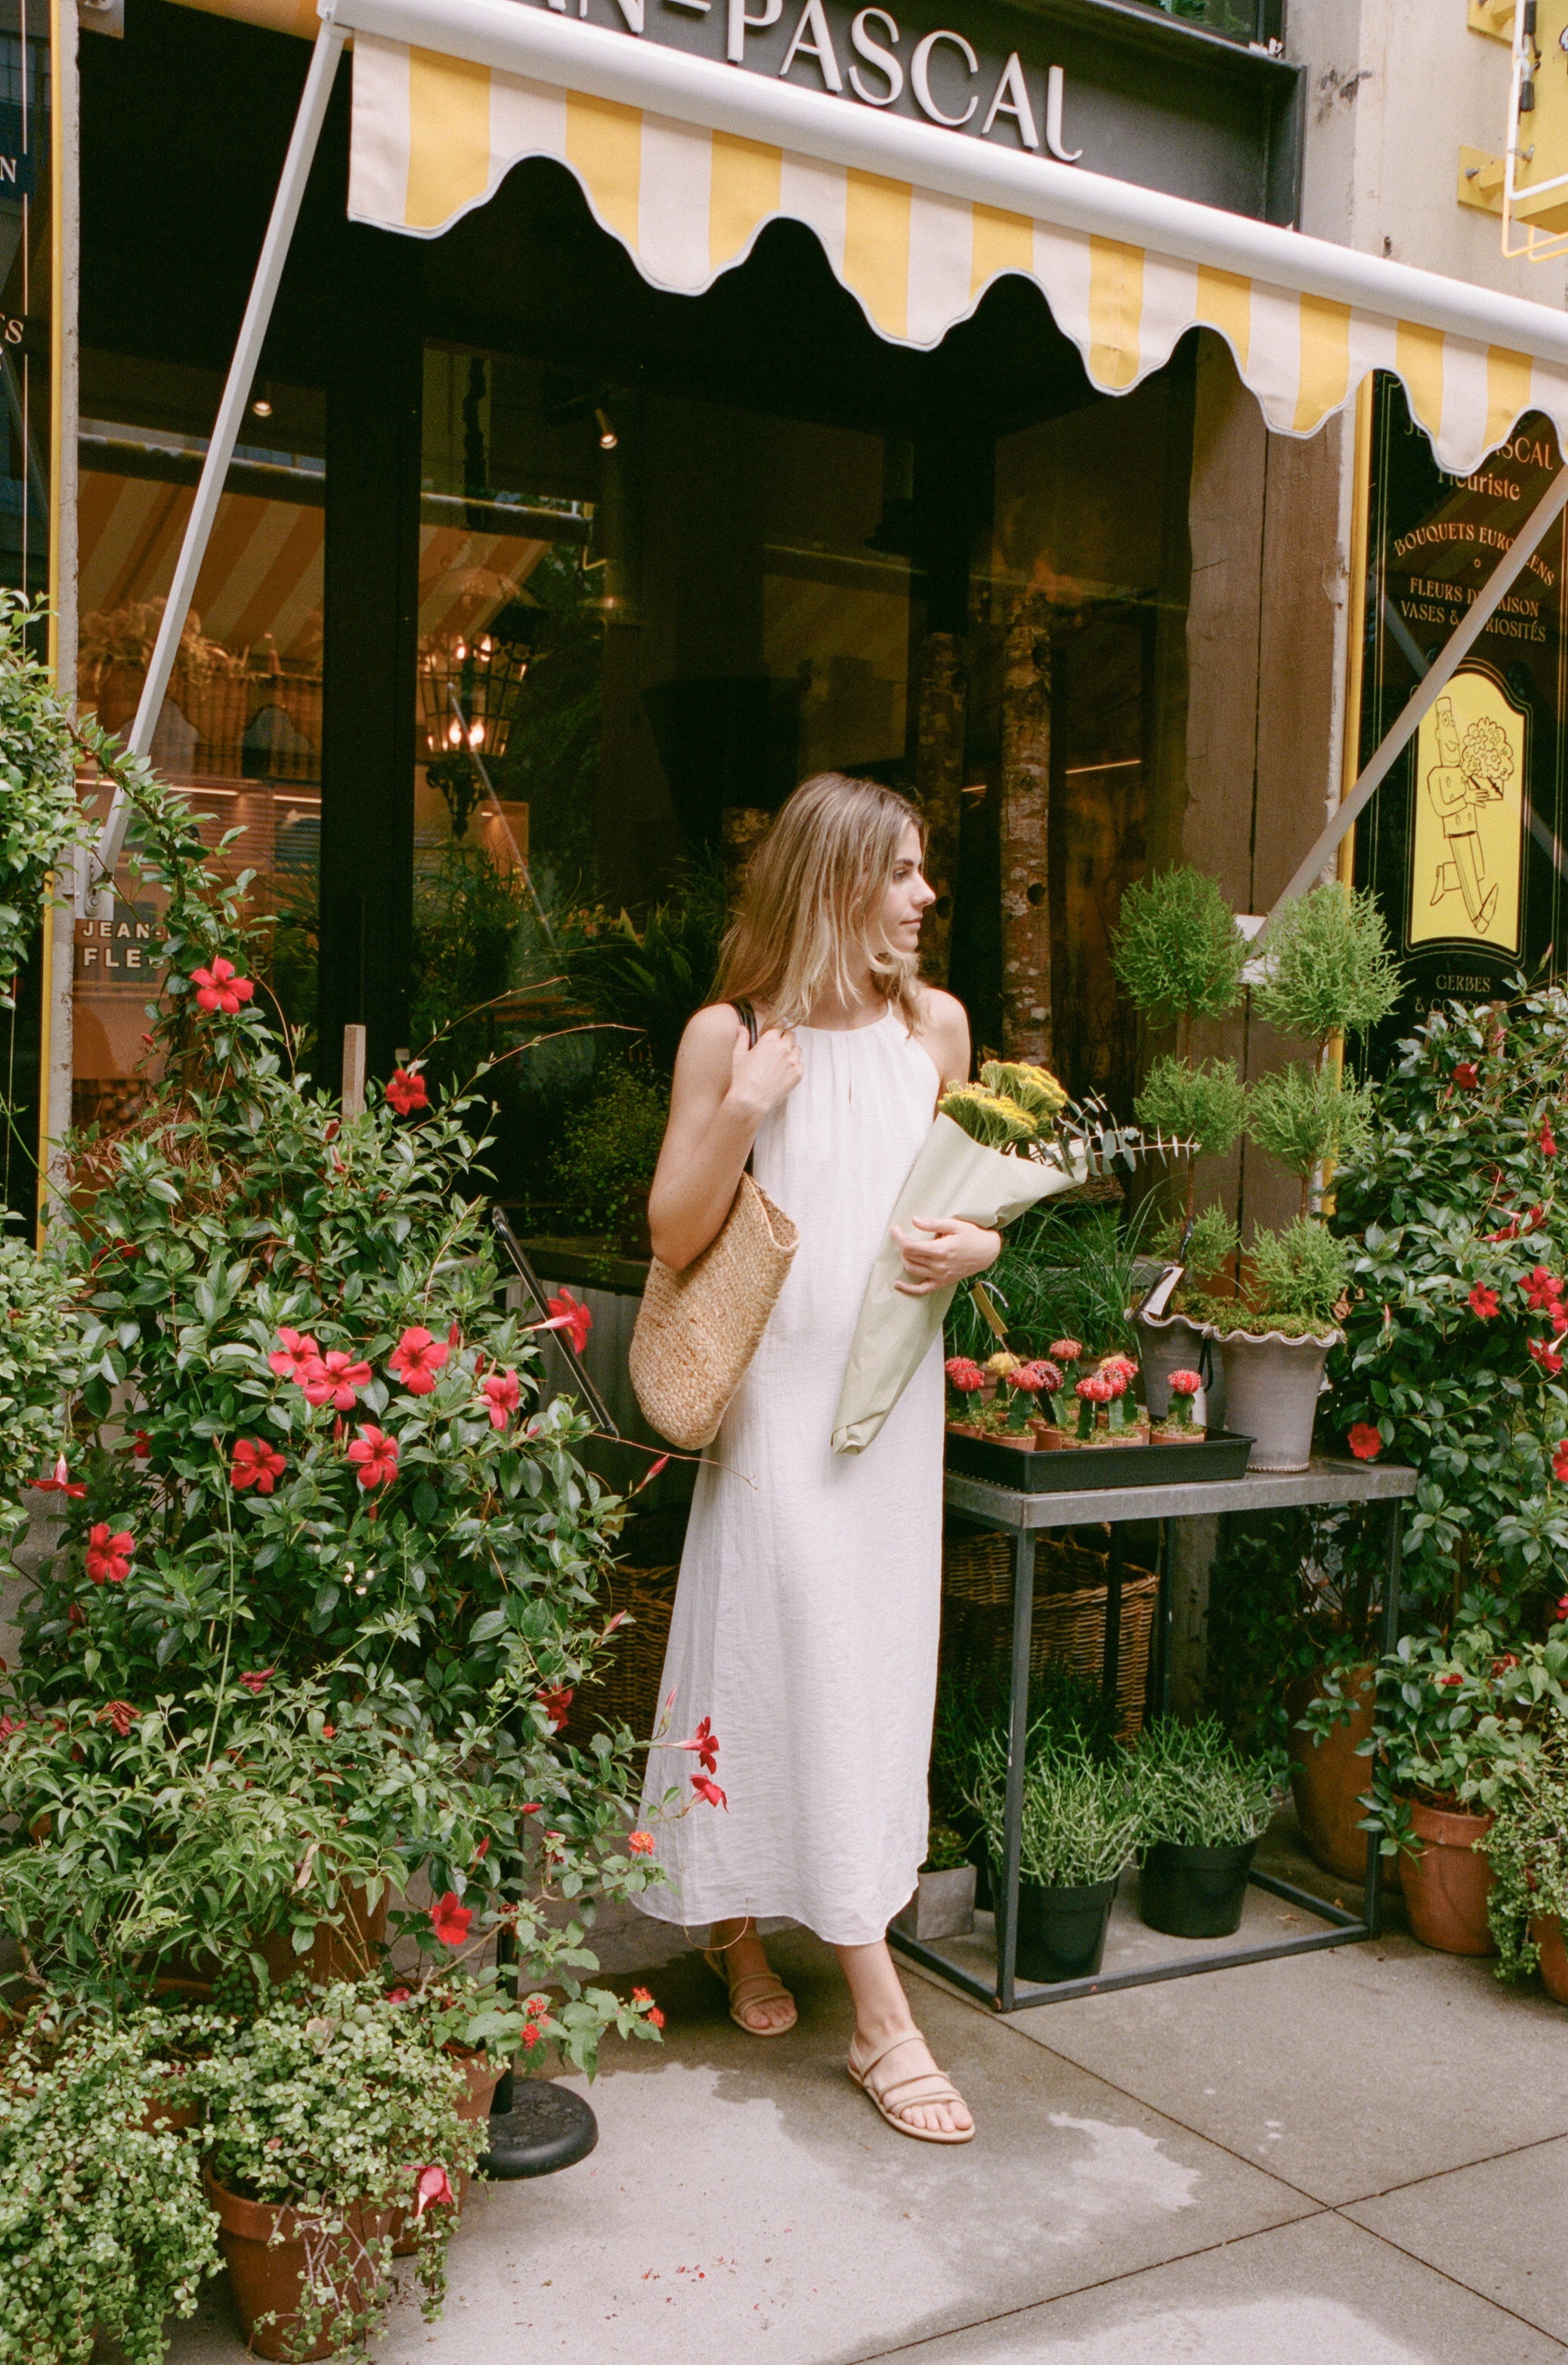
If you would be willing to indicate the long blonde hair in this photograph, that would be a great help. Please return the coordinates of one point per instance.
(813, 891)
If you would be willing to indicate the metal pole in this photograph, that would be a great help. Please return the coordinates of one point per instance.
(243, 370)
(1017, 1736)
(1536, 527)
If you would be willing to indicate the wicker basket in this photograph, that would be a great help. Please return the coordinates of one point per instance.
(626, 1690)
(1069, 1627)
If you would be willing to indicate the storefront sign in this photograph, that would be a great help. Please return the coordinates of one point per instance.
(1465, 848)
(124, 951)
(18, 177)
(1141, 102)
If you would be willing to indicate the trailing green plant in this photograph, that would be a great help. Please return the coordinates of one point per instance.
(1177, 950)
(41, 818)
(1202, 1103)
(1305, 1116)
(1526, 1848)
(1458, 1238)
(105, 2230)
(1081, 1822)
(1328, 967)
(604, 1168)
(1195, 1789)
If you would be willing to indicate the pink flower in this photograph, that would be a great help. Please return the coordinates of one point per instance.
(705, 1745)
(220, 988)
(1562, 1610)
(1547, 1356)
(556, 1703)
(417, 1358)
(1484, 1301)
(1548, 1145)
(449, 1919)
(640, 1844)
(1184, 1383)
(335, 1379)
(255, 1679)
(1097, 1388)
(1123, 1363)
(1467, 1075)
(654, 1470)
(1034, 1377)
(400, 1995)
(376, 1454)
(965, 1375)
(431, 2187)
(256, 1464)
(709, 1790)
(1065, 1350)
(293, 1356)
(500, 1393)
(406, 1091)
(109, 1556)
(566, 1314)
(61, 1484)
(1365, 1441)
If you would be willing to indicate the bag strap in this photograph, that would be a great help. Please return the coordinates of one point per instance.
(748, 1016)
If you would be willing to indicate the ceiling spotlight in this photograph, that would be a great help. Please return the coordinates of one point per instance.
(607, 438)
(260, 408)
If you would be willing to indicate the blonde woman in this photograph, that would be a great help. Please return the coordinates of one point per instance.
(806, 1619)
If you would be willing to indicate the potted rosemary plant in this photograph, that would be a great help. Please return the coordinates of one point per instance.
(1204, 1805)
(1274, 1342)
(1080, 1825)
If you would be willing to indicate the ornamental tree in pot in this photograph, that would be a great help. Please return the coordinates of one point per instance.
(1274, 1340)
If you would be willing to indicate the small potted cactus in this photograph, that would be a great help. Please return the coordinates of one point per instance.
(1180, 1426)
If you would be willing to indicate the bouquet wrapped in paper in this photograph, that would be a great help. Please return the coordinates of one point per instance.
(996, 1148)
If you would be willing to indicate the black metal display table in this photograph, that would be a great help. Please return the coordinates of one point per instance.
(1023, 1517)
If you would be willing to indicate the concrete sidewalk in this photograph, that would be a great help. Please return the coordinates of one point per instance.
(1355, 2157)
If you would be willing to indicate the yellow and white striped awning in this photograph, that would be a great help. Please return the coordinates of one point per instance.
(685, 160)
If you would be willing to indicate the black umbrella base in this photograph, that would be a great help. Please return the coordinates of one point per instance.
(546, 2127)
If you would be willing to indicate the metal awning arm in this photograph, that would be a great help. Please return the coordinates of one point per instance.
(303, 141)
(1436, 679)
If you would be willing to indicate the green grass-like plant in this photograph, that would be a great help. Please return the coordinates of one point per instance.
(1081, 1821)
(1195, 1789)
(1176, 948)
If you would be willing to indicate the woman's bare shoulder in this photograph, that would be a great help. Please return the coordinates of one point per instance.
(944, 1027)
(708, 1041)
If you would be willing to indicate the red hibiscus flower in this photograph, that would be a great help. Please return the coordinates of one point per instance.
(376, 1455)
(1548, 1145)
(1467, 1075)
(449, 1919)
(61, 1484)
(1365, 1441)
(1484, 1301)
(709, 1790)
(1541, 1289)
(706, 1745)
(1186, 1383)
(640, 1844)
(121, 1714)
(417, 1358)
(1559, 1460)
(335, 1379)
(256, 1464)
(1447, 1682)
(565, 1314)
(965, 1375)
(1547, 1356)
(141, 1444)
(431, 2187)
(220, 988)
(108, 1555)
(406, 1091)
(256, 1678)
(400, 1995)
(1562, 1610)
(556, 1703)
(500, 1393)
(294, 1356)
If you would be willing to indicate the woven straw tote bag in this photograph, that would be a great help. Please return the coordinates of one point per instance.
(697, 1331)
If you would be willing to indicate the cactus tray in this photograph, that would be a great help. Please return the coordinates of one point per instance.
(1069, 1469)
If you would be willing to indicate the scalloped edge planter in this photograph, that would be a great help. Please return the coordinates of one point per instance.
(1448, 1883)
(1163, 1353)
(1273, 1382)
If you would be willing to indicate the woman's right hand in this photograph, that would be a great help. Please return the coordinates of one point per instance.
(762, 1073)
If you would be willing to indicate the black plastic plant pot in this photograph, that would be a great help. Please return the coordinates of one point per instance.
(1061, 1932)
(979, 1856)
(1196, 1892)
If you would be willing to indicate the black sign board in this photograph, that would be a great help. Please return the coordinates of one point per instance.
(1466, 843)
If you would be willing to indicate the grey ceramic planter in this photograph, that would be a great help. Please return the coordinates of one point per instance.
(1167, 1343)
(1271, 1387)
(942, 1907)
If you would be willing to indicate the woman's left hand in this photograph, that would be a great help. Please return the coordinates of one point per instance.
(951, 1252)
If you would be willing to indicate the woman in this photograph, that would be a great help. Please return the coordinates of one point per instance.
(806, 1620)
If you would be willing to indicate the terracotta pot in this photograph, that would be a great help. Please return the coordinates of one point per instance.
(1328, 1777)
(1170, 1342)
(342, 1954)
(484, 2074)
(1271, 1387)
(263, 2250)
(1448, 1882)
(1546, 1935)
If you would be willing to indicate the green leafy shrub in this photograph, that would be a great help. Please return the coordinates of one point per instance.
(653, 979)
(1059, 1276)
(41, 1363)
(1460, 1719)
(41, 819)
(1528, 1850)
(604, 1168)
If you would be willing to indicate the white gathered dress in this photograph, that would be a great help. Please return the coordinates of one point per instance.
(806, 1617)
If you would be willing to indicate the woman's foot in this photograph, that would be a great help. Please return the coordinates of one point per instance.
(759, 2003)
(895, 2069)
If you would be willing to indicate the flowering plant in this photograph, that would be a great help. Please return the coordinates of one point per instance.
(1458, 1719)
(1528, 1850)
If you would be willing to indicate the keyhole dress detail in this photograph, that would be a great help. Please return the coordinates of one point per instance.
(806, 1611)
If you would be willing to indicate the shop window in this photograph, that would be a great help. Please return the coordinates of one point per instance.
(240, 725)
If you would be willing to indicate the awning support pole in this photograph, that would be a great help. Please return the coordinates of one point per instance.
(1433, 683)
(98, 882)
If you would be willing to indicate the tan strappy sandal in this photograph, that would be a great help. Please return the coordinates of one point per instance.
(745, 1994)
(896, 2095)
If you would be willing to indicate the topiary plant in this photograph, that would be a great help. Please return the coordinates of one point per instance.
(1202, 1104)
(1297, 1281)
(1304, 1116)
(1330, 969)
(1176, 948)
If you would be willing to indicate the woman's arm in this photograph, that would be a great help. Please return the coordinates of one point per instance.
(940, 1249)
(722, 1090)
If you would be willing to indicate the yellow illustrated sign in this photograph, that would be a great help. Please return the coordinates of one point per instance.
(1466, 842)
